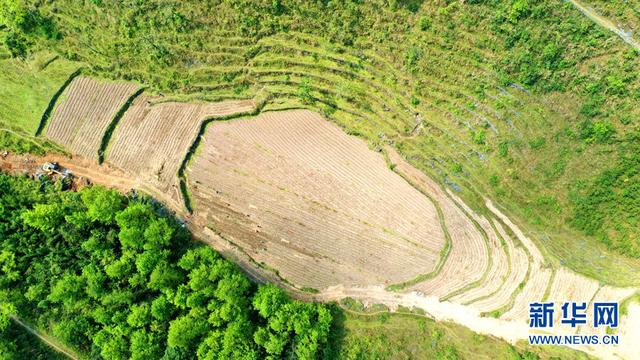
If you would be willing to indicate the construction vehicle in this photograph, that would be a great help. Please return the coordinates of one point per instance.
(51, 168)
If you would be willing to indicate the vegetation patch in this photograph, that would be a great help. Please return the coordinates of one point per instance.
(608, 206)
(52, 103)
(28, 85)
(111, 277)
(16, 141)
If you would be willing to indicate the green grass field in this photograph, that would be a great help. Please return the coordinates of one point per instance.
(28, 86)
(412, 336)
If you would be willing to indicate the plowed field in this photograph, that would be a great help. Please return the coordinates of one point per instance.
(152, 140)
(84, 113)
(300, 195)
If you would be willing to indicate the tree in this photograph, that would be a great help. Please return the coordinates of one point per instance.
(112, 343)
(102, 204)
(8, 269)
(140, 315)
(306, 325)
(268, 300)
(14, 14)
(158, 234)
(186, 332)
(68, 290)
(7, 309)
(161, 308)
(145, 345)
(45, 217)
(133, 222)
(24, 23)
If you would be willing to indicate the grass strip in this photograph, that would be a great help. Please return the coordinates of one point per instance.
(52, 103)
(182, 175)
(106, 138)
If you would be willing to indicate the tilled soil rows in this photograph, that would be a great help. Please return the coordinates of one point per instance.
(85, 111)
(316, 204)
(152, 140)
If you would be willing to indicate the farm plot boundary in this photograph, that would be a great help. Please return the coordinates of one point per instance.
(52, 103)
(193, 148)
(106, 137)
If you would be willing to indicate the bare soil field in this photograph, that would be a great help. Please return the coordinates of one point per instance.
(151, 140)
(519, 267)
(84, 113)
(500, 264)
(468, 258)
(313, 202)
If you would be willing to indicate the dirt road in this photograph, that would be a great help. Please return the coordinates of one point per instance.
(45, 339)
(606, 23)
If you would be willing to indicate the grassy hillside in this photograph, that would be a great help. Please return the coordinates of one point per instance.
(28, 85)
(410, 336)
(525, 101)
(626, 13)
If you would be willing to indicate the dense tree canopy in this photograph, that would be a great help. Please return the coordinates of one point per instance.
(112, 278)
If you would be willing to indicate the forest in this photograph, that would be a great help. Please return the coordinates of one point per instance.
(113, 277)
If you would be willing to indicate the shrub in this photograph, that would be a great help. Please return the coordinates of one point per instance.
(616, 85)
(479, 137)
(413, 56)
(304, 91)
(600, 131)
(424, 24)
(503, 149)
(519, 9)
(537, 142)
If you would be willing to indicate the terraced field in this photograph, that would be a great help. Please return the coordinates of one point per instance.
(270, 185)
(152, 140)
(85, 112)
(366, 95)
(448, 84)
(318, 205)
(294, 197)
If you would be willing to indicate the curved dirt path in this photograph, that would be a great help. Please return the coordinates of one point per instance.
(606, 23)
(44, 339)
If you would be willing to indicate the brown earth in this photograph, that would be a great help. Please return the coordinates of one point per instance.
(152, 139)
(298, 194)
(84, 112)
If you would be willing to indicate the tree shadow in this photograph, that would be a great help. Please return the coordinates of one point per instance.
(411, 5)
(336, 334)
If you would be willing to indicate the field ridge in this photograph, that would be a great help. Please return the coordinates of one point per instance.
(52, 103)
